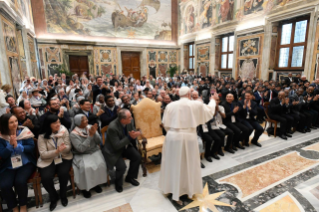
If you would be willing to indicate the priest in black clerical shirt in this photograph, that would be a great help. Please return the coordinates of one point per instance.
(110, 111)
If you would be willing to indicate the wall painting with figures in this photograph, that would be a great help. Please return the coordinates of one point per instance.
(139, 19)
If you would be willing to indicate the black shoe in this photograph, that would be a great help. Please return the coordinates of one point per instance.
(132, 181)
(290, 132)
(257, 144)
(283, 137)
(234, 148)
(313, 127)
(260, 121)
(202, 165)
(246, 144)
(308, 130)
(86, 194)
(288, 135)
(53, 205)
(98, 189)
(229, 150)
(240, 146)
(208, 158)
(215, 156)
(317, 125)
(302, 131)
(118, 188)
(220, 152)
(64, 201)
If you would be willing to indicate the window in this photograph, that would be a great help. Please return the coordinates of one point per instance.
(292, 44)
(191, 57)
(226, 52)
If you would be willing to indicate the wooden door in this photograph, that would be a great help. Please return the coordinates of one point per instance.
(79, 64)
(131, 64)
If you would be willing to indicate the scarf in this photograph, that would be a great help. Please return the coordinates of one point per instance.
(24, 134)
(80, 132)
(60, 133)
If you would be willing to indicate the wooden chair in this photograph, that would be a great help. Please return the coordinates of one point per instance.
(103, 132)
(147, 116)
(271, 121)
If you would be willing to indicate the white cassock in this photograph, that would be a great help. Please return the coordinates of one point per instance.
(180, 169)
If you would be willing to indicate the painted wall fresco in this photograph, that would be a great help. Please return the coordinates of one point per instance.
(34, 65)
(160, 60)
(24, 71)
(23, 10)
(202, 58)
(249, 54)
(143, 19)
(196, 15)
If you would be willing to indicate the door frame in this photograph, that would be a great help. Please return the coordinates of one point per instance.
(89, 53)
(143, 59)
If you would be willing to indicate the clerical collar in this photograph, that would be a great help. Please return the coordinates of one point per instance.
(110, 107)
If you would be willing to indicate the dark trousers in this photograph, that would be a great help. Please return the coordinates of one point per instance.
(260, 113)
(47, 176)
(219, 138)
(212, 141)
(241, 132)
(134, 156)
(285, 124)
(308, 118)
(17, 178)
(253, 125)
(230, 137)
(314, 115)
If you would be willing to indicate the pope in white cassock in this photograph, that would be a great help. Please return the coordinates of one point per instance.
(180, 169)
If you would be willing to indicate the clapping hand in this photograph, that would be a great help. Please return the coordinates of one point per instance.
(61, 147)
(134, 134)
(61, 113)
(7, 110)
(93, 130)
(13, 140)
(100, 112)
(235, 109)
(286, 100)
(248, 104)
(215, 96)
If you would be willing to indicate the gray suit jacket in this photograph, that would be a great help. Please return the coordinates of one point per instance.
(116, 142)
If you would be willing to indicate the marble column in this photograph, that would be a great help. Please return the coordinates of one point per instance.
(233, 74)
(212, 56)
(144, 69)
(27, 52)
(310, 44)
(181, 58)
(264, 71)
(4, 65)
(195, 59)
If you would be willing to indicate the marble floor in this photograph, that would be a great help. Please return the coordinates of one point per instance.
(280, 176)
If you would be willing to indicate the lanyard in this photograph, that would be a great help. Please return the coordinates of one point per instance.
(55, 143)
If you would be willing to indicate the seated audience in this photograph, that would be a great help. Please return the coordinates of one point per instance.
(110, 111)
(99, 103)
(55, 158)
(18, 162)
(25, 120)
(88, 163)
(85, 109)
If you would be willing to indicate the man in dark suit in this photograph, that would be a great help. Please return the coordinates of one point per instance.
(259, 99)
(121, 142)
(290, 79)
(277, 111)
(55, 108)
(241, 132)
(28, 121)
(110, 111)
(246, 115)
(99, 88)
(85, 106)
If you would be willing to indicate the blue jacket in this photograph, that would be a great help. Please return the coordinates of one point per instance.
(5, 153)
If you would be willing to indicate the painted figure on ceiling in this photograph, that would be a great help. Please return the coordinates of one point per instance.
(226, 10)
(189, 19)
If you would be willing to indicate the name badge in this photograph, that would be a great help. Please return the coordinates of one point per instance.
(16, 161)
(233, 119)
(214, 126)
(247, 117)
(205, 128)
(58, 160)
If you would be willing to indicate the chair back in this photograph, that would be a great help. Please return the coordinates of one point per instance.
(147, 117)
(266, 105)
(36, 149)
(103, 132)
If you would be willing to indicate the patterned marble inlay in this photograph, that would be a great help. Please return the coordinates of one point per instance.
(261, 176)
(122, 208)
(313, 147)
(285, 204)
(315, 192)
